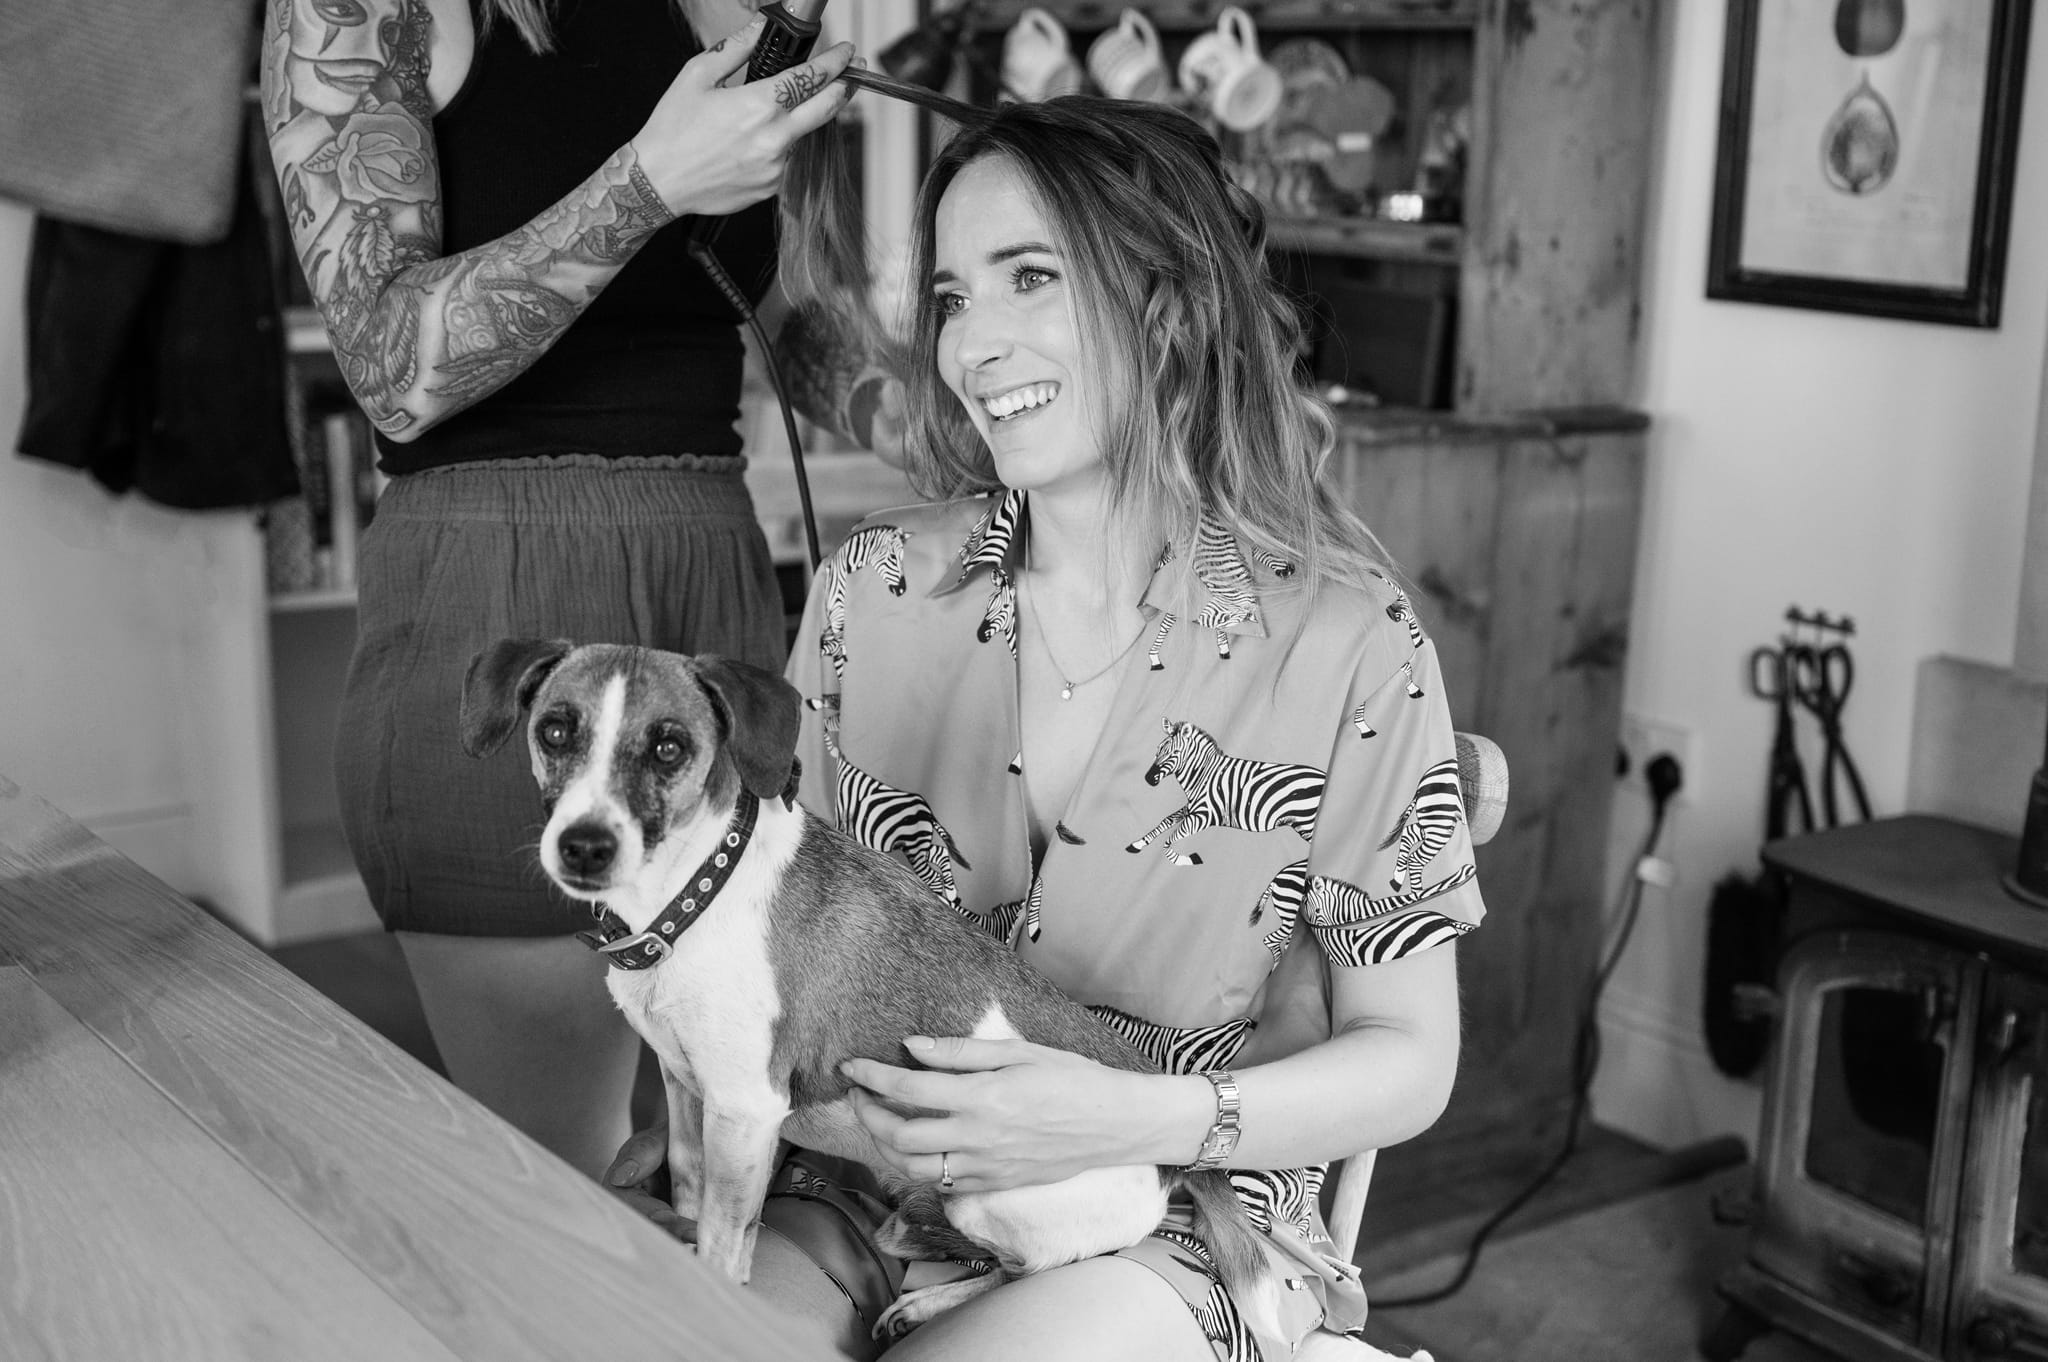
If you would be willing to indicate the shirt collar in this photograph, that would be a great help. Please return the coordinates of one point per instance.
(1226, 597)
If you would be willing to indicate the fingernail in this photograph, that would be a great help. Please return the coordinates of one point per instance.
(918, 1043)
(626, 1174)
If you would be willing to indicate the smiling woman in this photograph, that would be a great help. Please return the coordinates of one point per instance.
(1246, 856)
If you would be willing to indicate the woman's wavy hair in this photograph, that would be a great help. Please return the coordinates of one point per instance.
(1175, 305)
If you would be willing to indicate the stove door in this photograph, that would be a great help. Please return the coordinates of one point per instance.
(2001, 1270)
(1864, 1122)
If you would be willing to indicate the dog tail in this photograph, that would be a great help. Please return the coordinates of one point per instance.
(1238, 1248)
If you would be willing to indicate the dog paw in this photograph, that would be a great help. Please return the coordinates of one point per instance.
(913, 1308)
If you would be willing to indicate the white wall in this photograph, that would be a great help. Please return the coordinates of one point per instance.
(117, 622)
(1878, 469)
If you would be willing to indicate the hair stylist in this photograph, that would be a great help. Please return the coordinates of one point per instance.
(481, 200)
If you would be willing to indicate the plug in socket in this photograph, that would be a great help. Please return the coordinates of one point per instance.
(1643, 738)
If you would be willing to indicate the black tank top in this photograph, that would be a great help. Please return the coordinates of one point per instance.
(653, 365)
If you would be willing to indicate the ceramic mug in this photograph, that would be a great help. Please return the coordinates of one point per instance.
(1223, 70)
(1127, 62)
(1038, 59)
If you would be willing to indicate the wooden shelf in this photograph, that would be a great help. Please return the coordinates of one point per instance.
(1169, 15)
(1441, 243)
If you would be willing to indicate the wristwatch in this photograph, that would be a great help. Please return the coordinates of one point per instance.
(1221, 1141)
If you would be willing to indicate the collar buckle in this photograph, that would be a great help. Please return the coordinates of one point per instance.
(613, 939)
(634, 952)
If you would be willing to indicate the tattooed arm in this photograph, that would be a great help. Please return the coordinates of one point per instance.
(418, 335)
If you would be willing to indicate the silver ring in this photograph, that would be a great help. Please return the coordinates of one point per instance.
(945, 1173)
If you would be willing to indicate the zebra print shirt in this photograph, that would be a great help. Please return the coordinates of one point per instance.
(1240, 828)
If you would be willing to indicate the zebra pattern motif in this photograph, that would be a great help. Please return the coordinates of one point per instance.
(1000, 615)
(1279, 1196)
(832, 633)
(1401, 610)
(1001, 921)
(1179, 1049)
(1030, 906)
(1356, 929)
(1235, 792)
(1222, 1323)
(1285, 895)
(1232, 601)
(1365, 730)
(888, 819)
(1167, 620)
(1427, 825)
(988, 543)
(1273, 562)
(879, 547)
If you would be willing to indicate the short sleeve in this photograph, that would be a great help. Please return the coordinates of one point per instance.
(1391, 871)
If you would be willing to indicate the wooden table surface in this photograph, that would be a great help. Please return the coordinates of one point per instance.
(201, 1157)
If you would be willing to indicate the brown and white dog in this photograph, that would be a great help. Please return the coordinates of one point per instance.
(771, 957)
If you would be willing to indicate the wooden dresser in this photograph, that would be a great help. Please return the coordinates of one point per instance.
(1520, 533)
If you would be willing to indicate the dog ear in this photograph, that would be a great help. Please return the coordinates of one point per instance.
(761, 713)
(500, 685)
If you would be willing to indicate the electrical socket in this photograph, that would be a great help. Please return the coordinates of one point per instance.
(1643, 738)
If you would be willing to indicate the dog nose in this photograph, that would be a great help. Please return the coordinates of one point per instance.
(587, 849)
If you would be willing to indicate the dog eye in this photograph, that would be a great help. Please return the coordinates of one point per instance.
(668, 751)
(554, 734)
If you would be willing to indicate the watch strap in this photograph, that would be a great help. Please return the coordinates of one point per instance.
(1221, 1141)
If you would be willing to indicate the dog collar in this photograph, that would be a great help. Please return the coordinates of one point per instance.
(615, 939)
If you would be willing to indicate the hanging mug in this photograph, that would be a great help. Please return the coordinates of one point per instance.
(1038, 60)
(1127, 62)
(1223, 70)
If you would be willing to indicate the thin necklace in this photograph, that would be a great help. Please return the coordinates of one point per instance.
(1067, 684)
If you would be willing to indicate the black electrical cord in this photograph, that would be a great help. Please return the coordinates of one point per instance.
(700, 251)
(1664, 778)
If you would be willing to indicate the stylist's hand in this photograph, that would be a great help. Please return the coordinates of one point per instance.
(709, 148)
(638, 1176)
(1018, 1114)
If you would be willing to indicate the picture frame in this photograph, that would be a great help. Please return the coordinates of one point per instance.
(1866, 156)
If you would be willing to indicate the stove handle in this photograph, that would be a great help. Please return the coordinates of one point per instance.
(1885, 1286)
(1993, 1336)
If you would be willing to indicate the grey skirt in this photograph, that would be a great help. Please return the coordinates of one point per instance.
(665, 553)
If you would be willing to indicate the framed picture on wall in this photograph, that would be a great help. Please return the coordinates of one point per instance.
(1866, 155)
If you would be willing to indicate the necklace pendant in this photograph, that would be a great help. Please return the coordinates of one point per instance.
(1066, 690)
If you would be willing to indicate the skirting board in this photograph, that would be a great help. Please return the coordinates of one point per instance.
(1657, 1083)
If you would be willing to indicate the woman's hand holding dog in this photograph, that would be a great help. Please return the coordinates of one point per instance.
(638, 1176)
(1019, 1114)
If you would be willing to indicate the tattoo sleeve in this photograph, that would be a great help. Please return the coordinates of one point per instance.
(420, 335)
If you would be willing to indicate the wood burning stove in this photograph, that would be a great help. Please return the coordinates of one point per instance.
(1900, 1205)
